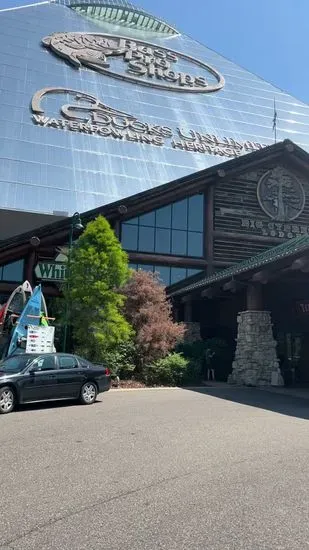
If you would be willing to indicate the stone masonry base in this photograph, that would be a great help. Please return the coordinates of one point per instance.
(255, 360)
(192, 333)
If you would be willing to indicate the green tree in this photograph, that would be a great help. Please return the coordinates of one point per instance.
(98, 268)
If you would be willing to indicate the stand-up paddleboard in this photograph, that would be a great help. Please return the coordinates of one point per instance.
(30, 316)
(44, 306)
(14, 305)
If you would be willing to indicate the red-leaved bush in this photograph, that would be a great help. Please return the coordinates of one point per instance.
(148, 310)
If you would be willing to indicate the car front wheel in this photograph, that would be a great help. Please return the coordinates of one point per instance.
(88, 393)
(7, 400)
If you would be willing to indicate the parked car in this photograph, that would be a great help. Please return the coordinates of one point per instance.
(27, 378)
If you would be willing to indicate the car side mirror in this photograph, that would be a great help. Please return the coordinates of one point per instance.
(32, 371)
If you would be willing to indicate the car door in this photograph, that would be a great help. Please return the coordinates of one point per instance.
(70, 376)
(39, 381)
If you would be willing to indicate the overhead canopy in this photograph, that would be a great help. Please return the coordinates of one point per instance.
(278, 256)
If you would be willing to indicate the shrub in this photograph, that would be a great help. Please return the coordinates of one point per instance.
(172, 370)
(193, 350)
(168, 371)
(121, 360)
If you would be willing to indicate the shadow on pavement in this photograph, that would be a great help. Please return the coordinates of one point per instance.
(43, 405)
(262, 399)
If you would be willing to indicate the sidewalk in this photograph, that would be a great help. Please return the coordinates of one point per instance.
(280, 390)
(291, 392)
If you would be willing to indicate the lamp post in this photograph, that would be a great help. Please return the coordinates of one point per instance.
(75, 225)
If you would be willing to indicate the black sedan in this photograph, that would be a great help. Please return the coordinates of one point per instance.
(27, 378)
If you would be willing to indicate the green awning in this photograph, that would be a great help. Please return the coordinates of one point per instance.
(288, 248)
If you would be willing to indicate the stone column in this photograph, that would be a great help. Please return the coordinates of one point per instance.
(193, 331)
(256, 356)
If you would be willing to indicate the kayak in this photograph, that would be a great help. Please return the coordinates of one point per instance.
(30, 315)
(14, 305)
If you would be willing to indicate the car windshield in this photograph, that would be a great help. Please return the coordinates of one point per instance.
(15, 364)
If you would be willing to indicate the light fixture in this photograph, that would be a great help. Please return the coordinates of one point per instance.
(35, 241)
(122, 209)
(77, 222)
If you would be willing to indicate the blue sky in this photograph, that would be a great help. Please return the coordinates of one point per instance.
(267, 37)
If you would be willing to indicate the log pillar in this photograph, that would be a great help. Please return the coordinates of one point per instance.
(29, 267)
(188, 311)
(254, 297)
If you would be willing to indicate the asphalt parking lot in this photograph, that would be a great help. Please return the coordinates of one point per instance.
(167, 469)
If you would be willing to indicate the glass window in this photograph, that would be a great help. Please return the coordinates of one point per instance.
(146, 267)
(195, 244)
(147, 219)
(129, 236)
(179, 243)
(151, 232)
(146, 239)
(132, 221)
(167, 275)
(13, 271)
(164, 216)
(15, 364)
(191, 272)
(163, 241)
(179, 214)
(195, 215)
(44, 363)
(177, 274)
(67, 362)
(164, 273)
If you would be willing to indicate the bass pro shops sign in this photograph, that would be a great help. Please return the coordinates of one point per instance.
(135, 61)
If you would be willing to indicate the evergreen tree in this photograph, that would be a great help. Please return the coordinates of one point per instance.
(98, 268)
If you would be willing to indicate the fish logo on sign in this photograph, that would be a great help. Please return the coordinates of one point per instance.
(135, 61)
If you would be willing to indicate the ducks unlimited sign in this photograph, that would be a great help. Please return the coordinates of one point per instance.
(89, 115)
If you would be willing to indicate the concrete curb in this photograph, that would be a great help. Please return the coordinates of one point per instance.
(160, 388)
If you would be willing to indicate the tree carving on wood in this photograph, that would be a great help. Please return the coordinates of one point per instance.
(281, 195)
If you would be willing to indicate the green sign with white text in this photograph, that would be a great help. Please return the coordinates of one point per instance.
(51, 271)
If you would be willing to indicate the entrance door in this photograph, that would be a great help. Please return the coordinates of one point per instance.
(302, 371)
(293, 353)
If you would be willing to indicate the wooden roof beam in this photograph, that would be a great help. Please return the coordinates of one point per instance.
(300, 263)
(210, 292)
(232, 285)
(262, 276)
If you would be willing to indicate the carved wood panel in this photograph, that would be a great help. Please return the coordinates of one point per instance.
(259, 209)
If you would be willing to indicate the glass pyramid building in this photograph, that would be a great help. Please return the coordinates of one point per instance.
(100, 100)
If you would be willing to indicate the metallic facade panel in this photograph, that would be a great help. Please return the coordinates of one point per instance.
(50, 169)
